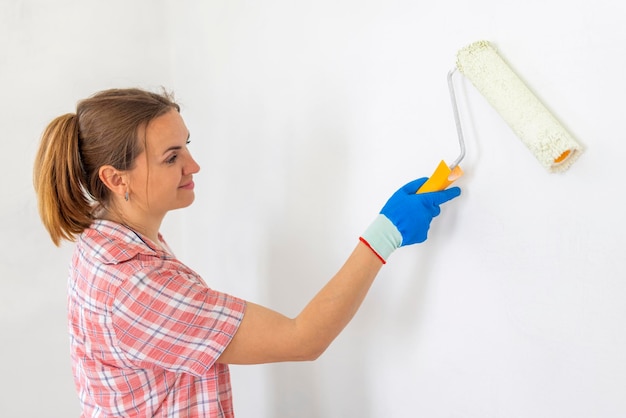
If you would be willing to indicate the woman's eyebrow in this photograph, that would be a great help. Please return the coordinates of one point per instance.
(176, 147)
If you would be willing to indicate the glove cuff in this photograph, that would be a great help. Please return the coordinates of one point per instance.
(382, 237)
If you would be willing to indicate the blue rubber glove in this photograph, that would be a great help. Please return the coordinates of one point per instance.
(405, 218)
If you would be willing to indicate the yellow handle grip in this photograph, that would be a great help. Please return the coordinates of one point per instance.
(441, 178)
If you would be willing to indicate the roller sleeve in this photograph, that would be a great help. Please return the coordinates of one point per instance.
(529, 119)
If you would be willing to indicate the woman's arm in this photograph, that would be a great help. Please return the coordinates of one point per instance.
(266, 336)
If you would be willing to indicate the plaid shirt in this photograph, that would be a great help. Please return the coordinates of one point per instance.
(145, 330)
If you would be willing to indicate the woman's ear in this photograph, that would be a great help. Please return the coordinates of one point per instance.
(114, 179)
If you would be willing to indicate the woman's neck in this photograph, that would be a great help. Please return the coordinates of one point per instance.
(141, 225)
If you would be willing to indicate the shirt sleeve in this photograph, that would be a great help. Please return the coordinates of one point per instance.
(171, 319)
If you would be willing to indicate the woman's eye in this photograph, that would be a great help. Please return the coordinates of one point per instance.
(172, 159)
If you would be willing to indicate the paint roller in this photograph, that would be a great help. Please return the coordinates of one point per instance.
(529, 119)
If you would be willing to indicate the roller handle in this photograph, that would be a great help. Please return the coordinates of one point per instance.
(441, 178)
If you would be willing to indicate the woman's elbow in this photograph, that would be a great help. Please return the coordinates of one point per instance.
(311, 350)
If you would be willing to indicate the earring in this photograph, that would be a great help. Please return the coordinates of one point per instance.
(126, 196)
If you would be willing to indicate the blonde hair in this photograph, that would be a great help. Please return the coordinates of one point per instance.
(103, 131)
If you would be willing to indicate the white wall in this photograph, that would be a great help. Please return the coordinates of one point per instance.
(305, 116)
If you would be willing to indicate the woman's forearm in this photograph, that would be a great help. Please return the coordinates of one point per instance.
(327, 314)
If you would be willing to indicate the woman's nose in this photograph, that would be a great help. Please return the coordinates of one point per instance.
(192, 166)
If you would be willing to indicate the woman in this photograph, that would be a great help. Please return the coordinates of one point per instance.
(148, 336)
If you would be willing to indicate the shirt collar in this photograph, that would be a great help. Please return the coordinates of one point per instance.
(115, 243)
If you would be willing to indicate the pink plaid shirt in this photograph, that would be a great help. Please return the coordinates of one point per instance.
(145, 330)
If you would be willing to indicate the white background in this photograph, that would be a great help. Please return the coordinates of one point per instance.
(305, 117)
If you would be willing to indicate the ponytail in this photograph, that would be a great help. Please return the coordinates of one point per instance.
(59, 181)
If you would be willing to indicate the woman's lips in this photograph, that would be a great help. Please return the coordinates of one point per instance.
(188, 186)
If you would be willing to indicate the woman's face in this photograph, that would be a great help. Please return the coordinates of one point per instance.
(162, 177)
